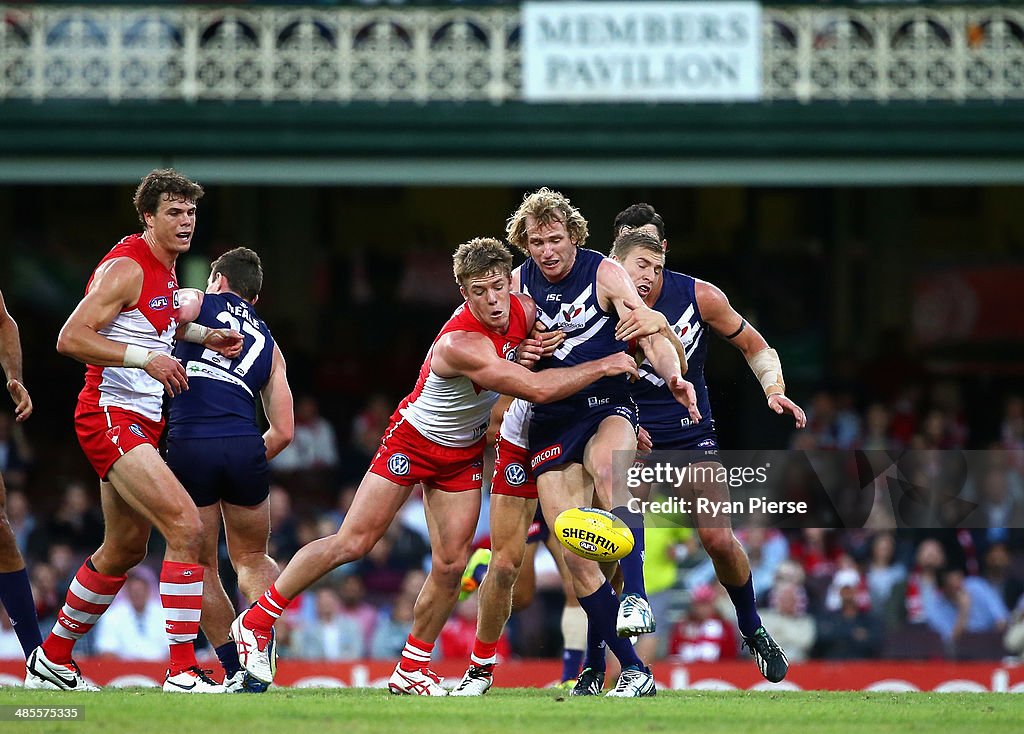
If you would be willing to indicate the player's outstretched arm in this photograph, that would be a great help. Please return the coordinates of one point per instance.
(472, 355)
(763, 360)
(10, 362)
(279, 407)
(116, 285)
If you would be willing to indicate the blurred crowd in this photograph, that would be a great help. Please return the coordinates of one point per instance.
(832, 594)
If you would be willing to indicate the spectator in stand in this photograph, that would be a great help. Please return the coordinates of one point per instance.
(1000, 498)
(393, 628)
(77, 522)
(342, 504)
(884, 576)
(963, 604)
(791, 625)
(381, 571)
(284, 529)
(833, 426)
(352, 595)
(21, 519)
(999, 573)
(133, 627)
(702, 636)
(844, 575)
(850, 632)
(314, 447)
(816, 550)
(367, 428)
(330, 635)
(459, 633)
(766, 548)
(923, 580)
(877, 422)
(47, 592)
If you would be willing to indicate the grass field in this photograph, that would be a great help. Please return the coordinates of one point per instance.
(525, 711)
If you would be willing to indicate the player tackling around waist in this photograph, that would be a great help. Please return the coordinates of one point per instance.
(436, 437)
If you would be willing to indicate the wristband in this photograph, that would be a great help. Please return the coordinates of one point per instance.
(195, 333)
(767, 367)
(135, 356)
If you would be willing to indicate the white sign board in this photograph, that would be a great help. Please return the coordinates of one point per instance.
(641, 51)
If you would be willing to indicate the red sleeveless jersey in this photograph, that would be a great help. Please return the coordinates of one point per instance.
(453, 411)
(149, 323)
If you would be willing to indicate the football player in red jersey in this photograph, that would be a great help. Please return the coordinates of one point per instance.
(435, 437)
(123, 330)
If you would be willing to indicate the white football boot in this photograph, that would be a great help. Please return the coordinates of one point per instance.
(235, 683)
(476, 682)
(634, 682)
(423, 682)
(40, 673)
(257, 652)
(635, 617)
(193, 680)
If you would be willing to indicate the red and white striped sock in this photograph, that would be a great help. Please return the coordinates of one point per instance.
(266, 611)
(484, 653)
(88, 597)
(416, 655)
(181, 592)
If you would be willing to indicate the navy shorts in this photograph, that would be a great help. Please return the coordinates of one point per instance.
(699, 442)
(559, 432)
(233, 469)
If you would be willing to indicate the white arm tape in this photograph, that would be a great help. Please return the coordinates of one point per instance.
(195, 333)
(768, 370)
(135, 356)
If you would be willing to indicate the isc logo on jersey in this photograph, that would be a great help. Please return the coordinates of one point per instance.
(515, 475)
(399, 465)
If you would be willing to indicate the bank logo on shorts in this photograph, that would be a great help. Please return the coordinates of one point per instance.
(515, 475)
(399, 465)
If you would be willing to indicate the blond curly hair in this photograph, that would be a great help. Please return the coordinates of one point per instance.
(545, 206)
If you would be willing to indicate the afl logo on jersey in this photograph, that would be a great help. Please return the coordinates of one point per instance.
(515, 475)
(399, 465)
(158, 304)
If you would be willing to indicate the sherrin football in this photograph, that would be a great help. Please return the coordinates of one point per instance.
(593, 534)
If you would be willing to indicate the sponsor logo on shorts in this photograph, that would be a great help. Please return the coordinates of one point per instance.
(707, 443)
(594, 402)
(399, 465)
(159, 303)
(626, 413)
(134, 428)
(547, 454)
(515, 475)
